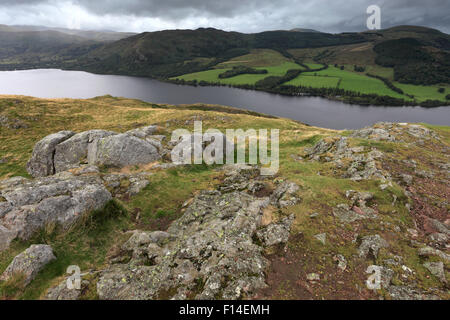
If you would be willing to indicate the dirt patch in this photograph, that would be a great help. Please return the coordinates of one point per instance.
(287, 277)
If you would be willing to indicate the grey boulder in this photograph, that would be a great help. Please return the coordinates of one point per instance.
(70, 153)
(29, 263)
(121, 150)
(41, 162)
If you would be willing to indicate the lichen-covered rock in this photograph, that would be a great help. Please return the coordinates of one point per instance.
(347, 214)
(276, 233)
(61, 199)
(126, 184)
(428, 251)
(437, 270)
(360, 163)
(371, 133)
(74, 151)
(372, 244)
(409, 293)
(215, 250)
(41, 162)
(121, 150)
(62, 293)
(29, 263)
(143, 132)
(212, 245)
(285, 195)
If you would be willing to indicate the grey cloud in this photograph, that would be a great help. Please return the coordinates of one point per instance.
(241, 15)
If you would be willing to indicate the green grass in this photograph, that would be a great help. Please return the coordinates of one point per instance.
(256, 58)
(90, 243)
(213, 75)
(422, 93)
(357, 82)
(314, 65)
(315, 82)
(85, 245)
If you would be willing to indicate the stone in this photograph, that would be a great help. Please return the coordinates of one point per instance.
(62, 293)
(29, 263)
(144, 132)
(439, 238)
(121, 150)
(276, 233)
(407, 179)
(376, 134)
(61, 199)
(428, 251)
(341, 262)
(437, 270)
(214, 250)
(440, 227)
(212, 241)
(371, 244)
(73, 151)
(285, 195)
(346, 214)
(313, 277)
(41, 162)
(409, 293)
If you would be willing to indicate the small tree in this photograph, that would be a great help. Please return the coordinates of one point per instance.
(441, 90)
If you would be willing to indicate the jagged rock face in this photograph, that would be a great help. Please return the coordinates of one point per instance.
(122, 150)
(29, 263)
(41, 162)
(60, 199)
(215, 250)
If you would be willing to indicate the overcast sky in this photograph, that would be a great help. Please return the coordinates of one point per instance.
(238, 15)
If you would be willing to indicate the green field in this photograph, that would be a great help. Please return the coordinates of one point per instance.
(353, 81)
(333, 77)
(315, 82)
(422, 93)
(213, 75)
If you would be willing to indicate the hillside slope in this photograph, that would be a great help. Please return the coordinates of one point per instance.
(341, 202)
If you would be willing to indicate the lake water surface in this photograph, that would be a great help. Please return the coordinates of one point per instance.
(50, 83)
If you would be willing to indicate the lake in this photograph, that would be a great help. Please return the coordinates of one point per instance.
(50, 83)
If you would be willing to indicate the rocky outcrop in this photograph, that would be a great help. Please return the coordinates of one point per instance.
(41, 163)
(66, 150)
(360, 163)
(29, 263)
(387, 131)
(60, 199)
(215, 250)
(371, 245)
(122, 150)
(70, 153)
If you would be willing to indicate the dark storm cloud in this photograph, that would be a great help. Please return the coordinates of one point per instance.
(240, 15)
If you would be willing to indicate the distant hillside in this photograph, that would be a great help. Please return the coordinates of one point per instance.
(87, 34)
(303, 30)
(30, 49)
(175, 52)
(418, 55)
